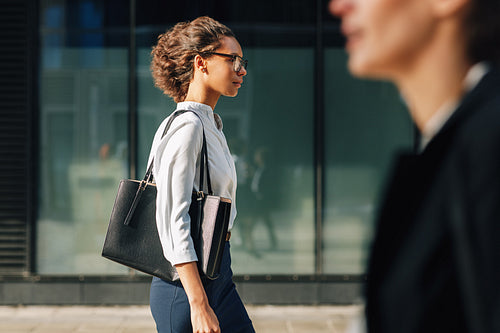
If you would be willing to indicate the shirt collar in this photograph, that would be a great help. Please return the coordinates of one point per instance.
(437, 121)
(195, 106)
(203, 109)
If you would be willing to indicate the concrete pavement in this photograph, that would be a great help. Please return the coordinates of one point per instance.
(137, 319)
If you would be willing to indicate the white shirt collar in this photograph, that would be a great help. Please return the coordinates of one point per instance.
(437, 121)
(204, 109)
(195, 106)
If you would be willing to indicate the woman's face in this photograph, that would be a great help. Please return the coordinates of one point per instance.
(384, 37)
(222, 78)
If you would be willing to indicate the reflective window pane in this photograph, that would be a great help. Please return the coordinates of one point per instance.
(270, 134)
(365, 122)
(83, 133)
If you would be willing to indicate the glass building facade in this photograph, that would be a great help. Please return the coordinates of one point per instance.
(324, 139)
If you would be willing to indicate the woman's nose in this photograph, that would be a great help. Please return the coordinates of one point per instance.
(339, 7)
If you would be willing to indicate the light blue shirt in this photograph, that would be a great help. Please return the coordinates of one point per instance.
(176, 172)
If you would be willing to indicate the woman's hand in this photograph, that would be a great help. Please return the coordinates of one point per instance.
(203, 318)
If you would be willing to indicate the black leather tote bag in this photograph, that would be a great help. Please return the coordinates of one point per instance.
(132, 237)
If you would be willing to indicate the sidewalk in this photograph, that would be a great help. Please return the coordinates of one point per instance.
(137, 319)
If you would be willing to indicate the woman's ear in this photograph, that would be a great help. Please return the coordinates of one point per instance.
(449, 8)
(200, 63)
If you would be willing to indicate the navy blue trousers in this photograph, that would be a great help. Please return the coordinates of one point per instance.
(170, 307)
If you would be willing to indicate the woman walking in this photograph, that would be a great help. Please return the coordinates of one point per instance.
(195, 63)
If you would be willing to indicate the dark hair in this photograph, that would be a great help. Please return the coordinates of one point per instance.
(173, 55)
(483, 31)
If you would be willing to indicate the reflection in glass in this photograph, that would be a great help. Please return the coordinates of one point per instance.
(365, 123)
(83, 136)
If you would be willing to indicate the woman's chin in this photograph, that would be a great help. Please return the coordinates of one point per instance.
(364, 69)
(357, 67)
(231, 93)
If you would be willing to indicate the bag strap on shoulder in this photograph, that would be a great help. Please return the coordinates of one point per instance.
(148, 177)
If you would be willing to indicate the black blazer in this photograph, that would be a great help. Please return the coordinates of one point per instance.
(435, 260)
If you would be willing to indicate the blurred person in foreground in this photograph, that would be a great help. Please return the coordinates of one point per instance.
(435, 261)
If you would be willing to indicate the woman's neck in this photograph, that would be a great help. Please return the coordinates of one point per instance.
(200, 94)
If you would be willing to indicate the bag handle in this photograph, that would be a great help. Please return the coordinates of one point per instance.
(148, 177)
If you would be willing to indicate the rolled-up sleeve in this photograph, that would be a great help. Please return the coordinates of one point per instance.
(175, 163)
